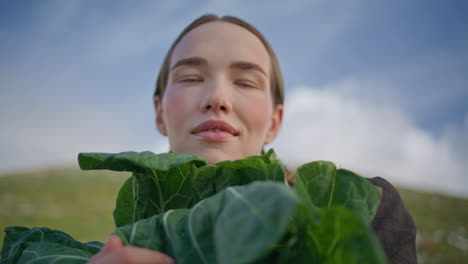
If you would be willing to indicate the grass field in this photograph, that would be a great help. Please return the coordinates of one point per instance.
(80, 203)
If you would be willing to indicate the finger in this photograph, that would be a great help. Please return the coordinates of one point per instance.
(129, 254)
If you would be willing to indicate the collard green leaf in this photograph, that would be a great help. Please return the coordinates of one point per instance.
(314, 182)
(337, 236)
(159, 182)
(134, 161)
(255, 168)
(43, 245)
(124, 208)
(324, 186)
(357, 194)
(180, 185)
(256, 215)
(262, 222)
(153, 191)
(237, 225)
(343, 237)
(213, 179)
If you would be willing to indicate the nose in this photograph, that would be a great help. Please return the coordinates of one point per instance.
(216, 98)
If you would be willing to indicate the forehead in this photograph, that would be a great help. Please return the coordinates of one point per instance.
(222, 43)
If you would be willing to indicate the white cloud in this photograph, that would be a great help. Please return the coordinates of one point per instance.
(372, 139)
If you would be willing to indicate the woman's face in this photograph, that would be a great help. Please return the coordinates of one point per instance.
(218, 102)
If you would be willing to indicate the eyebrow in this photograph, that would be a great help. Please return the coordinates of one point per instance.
(243, 65)
(192, 61)
(197, 61)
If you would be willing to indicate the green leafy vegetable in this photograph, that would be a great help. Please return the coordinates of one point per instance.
(327, 235)
(171, 181)
(231, 212)
(246, 224)
(237, 225)
(159, 182)
(325, 186)
(42, 245)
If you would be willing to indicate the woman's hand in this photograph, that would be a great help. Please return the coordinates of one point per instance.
(115, 252)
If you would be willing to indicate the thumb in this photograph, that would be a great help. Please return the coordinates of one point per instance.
(113, 242)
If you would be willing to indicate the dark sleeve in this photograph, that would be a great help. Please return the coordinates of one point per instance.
(394, 225)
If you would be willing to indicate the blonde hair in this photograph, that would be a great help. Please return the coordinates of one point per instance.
(276, 79)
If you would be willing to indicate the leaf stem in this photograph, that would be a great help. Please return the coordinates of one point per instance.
(158, 186)
(330, 200)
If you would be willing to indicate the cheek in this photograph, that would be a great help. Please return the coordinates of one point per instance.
(257, 113)
(176, 108)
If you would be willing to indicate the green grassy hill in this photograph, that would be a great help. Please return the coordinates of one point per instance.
(80, 203)
(442, 226)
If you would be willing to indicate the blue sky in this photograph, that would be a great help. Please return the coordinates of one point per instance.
(376, 86)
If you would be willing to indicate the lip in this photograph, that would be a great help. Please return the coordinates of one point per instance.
(215, 130)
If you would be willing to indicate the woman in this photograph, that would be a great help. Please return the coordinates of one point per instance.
(219, 95)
